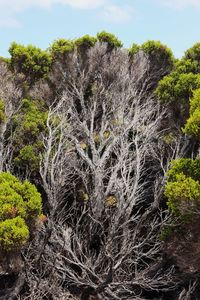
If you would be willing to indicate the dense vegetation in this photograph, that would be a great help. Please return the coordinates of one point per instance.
(20, 207)
(105, 142)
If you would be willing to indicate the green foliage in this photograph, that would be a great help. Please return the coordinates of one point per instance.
(192, 126)
(30, 60)
(14, 234)
(109, 38)
(61, 47)
(28, 126)
(85, 42)
(158, 51)
(183, 188)
(185, 84)
(134, 49)
(2, 112)
(187, 166)
(183, 194)
(186, 66)
(31, 120)
(195, 101)
(28, 158)
(165, 90)
(193, 53)
(177, 87)
(20, 205)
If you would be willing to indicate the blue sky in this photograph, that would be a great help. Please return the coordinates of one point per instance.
(39, 22)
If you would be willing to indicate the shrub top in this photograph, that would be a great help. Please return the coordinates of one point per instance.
(20, 206)
(30, 60)
(61, 46)
(111, 39)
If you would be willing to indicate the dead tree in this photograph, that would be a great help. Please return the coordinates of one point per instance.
(102, 148)
(102, 170)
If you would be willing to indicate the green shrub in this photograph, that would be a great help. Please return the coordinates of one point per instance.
(14, 234)
(187, 166)
(2, 112)
(28, 126)
(185, 85)
(85, 42)
(192, 126)
(187, 66)
(165, 89)
(61, 47)
(158, 51)
(30, 60)
(134, 49)
(193, 53)
(183, 195)
(177, 88)
(28, 158)
(195, 101)
(20, 208)
(109, 38)
(183, 188)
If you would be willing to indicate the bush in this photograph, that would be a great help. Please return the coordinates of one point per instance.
(109, 38)
(85, 42)
(14, 234)
(183, 188)
(33, 62)
(187, 166)
(28, 125)
(183, 195)
(192, 126)
(2, 112)
(28, 157)
(193, 53)
(158, 51)
(61, 47)
(20, 208)
(134, 49)
(177, 88)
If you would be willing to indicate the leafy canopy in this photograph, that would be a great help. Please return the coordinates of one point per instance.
(111, 39)
(2, 112)
(28, 126)
(183, 188)
(30, 60)
(192, 126)
(61, 47)
(156, 51)
(178, 86)
(85, 42)
(20, 206)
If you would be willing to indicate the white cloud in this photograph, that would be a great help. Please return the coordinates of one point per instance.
(181, 3)
(116, 13)
(111, 12)
(24, 4)
(9, 23)
(84, 4)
